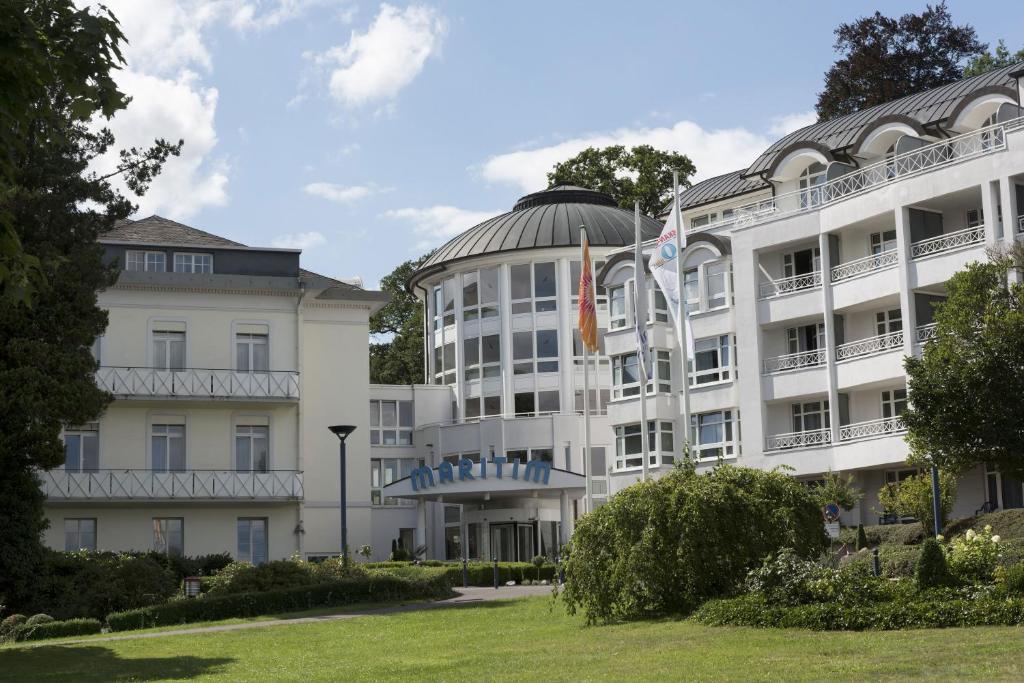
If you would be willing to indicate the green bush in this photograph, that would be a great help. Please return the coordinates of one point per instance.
(57, 629)
(10, 623)
(1011, 580)
(932, 570)
(973, 557)
(912, 497)
(1007, 524)
(433, 585)
(783, 578)
(242, 577)
(665, 546)
(37, 619)
(885, 534)
(862, 538)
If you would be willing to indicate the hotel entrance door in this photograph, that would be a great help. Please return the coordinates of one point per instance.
(512, 542)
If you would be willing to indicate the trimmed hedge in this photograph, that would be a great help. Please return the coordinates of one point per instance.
(434, 584)
(56, 629)
(480, 573)
(752, 610)
(885, 534)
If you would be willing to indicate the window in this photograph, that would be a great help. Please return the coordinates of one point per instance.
(691, 289)
(487, 406)
(482, 357)
(149, 261)
(480, 294)
(540, 403)
(887, 322)
(658, 312)
(524, 352)
(806, 338)
(448, 297)
(811, 181)
(251, 352)
(701, 221)
(894, 403)
(881, 242)
(252, 452)
(193, 263)
(810, 417)
(252, 540)
(717, 283)
(975, 217)
(525, 455)
(897, 476)
(617, 307)
(803, 262)
(168, 350)
(520, 290)
(391, 423)
(1002, 490)
(714, 435)
(384, 471)
(444, 363)
(82, 450)
(626, 374)
(544, 287)
(712, 362)
(169, 535)
(168, 447)
(598, 401)
(79, 534)
(629, 444)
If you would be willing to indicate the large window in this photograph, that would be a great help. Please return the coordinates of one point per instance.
(384, 471)
(715, 434)
(629, 445)
(169, 535)
(691, 289)
(598, 401)
(894, 403)
(168, 447)
(811, 180)
(149, 261)
(534, 352)
(617, 307)
(626, 374)
(811, 416)
(193, 263)
(79, 534)
(169, 349)
(251, 352)
(481, 357)
(486, 406)
(717, 284)
(525, 455)
(391, 423)
(252, 451)
(480, 294)
(444, 363)
(805, 338)
(252, 540)
(713, 361)
(534, 287)
(537, 403)
(444, 304)
(82, 450)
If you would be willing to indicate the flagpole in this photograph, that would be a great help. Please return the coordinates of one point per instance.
(639, 290)
(587, 460)
(683, 342)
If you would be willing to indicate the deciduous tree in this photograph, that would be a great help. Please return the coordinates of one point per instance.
(396, 352)
(993, 60)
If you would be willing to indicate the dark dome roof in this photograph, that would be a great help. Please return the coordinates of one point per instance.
(549, 218)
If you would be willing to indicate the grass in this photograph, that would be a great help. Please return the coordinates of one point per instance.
(526, 640)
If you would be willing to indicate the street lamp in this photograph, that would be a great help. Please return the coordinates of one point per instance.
(342, 432)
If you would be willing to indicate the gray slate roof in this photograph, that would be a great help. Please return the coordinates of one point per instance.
(720, 187)
(160, 230)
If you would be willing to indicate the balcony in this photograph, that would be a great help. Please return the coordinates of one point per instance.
(953, 241)
(887, 426)
(198, 383)
(205, 485)
(789, 285)
(793, 361)
(791, 440)
(869, 346)
(862, 266)
(926, 333)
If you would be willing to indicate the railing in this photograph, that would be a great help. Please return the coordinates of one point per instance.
(198, 382)
(845, 271)
(925, 333)
(126, 485)
(915, 162)
(869, 346)
(948, 242)
(794, 361)
(788, 285)
(818, 437)
(872, 428)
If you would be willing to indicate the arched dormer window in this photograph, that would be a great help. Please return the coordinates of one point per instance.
(811, 180)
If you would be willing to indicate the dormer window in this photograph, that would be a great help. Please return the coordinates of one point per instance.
(193, 263)
(148, 261)
(811, 181)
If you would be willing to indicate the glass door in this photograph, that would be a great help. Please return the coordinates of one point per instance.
(503, 542)
(526, 547)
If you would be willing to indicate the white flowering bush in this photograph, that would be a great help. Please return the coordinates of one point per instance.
(973, 557)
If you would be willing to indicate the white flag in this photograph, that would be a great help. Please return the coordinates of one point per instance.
(663, 267)
(640, 302)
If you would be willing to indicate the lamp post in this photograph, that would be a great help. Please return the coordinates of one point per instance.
(342, 432)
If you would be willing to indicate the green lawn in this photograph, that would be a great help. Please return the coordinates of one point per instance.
(526, 640)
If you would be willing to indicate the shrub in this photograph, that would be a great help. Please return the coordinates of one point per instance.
(884, 534)
(57, 629)
(399, 554)
(242, 577)
(1011, 580)
(1007, 524)
(932, 570)
(665, 546)
(912, 497)
(10, 623)
(37, 619)
(433, 585)
(783, 578)
(973, 557)
(862, 538)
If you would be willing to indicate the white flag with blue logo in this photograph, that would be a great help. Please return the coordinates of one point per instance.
(663, 267)
(640, 303)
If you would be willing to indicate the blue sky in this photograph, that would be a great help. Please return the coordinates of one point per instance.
(366, 133)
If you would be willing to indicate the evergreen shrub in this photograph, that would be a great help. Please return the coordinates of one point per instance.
(932, 570)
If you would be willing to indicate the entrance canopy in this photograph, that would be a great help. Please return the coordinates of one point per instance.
(468, 481)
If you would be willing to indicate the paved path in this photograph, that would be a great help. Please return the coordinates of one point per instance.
(464, 596)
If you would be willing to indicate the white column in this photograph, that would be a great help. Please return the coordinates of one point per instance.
(830, 336)
(989, 202)
(906, 282)
(463, 532)
(564, 519)
(1011, 212)
(485, 541)
(421, 522)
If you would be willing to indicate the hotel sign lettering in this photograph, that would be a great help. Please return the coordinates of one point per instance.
(538, 471)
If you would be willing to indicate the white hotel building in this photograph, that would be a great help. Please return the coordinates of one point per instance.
(810, 275)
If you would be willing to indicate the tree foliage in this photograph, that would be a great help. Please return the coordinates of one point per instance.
(642, 174)
(835, 488)
(966, 391)
(665, 546)
(884, 58)
(987, 61)
(912, 497)
(57, 71)
(396, 353)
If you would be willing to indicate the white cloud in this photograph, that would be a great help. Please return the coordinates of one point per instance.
(784, 125)
(259, 15)
(436, 224)
(343, 194)
(299, 240)
(375, 65)
(713, 152)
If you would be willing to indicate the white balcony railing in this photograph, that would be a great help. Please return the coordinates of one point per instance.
(870, 346)
(817, 437)
(851, 269)
(128, 485)
(948, 242)
(933, 156)
(788, 285)
(198, 383)
(794, 361)
(925, 333)
(872, 429)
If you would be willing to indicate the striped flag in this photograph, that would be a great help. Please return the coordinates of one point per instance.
(588, 306)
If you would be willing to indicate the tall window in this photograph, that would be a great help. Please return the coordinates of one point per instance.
(691, 289)
(811, 416)
(629, 444)
(252, 451)
(169, 535)
(252, 540)
(659, 311)
(79, 534)
(887, 322)
(717, 282)
(617, 307)
(894, 403)
(480, 294)
(252, 352)
(534, 352)
(713, 362)
(149, 261)
(193, 263)
(82, 450)
(384, 471)
(714, 434)
(391, 423)
(811, 181)
(626, 374)
(802, 262)
(536, 282)
(168, 350)
(806, 338)
(482, 357)
(168, 447)
(444, 363)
